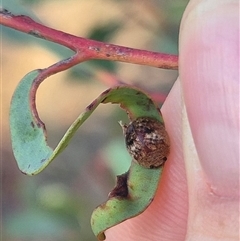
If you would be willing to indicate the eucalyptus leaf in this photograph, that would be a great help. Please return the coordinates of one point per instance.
(141, 184)
(134, 190)
(29, 143)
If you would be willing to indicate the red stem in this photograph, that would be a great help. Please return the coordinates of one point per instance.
(53, 69)
(90, 49)
(84, 49)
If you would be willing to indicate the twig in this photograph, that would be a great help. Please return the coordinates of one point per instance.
(85, 48)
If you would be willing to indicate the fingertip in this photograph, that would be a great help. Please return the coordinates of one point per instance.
(209, 71)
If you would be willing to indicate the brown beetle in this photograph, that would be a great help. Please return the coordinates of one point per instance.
(147, 141)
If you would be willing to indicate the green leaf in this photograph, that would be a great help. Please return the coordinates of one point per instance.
(29, 138)
(134, 190)
(141, 185)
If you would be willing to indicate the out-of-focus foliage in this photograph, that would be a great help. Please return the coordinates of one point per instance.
(57, 204)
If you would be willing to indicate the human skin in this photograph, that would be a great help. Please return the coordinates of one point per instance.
(198, 195)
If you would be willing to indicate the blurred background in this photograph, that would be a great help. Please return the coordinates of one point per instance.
(57, 203)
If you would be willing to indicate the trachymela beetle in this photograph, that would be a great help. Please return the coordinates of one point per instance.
(147, 142)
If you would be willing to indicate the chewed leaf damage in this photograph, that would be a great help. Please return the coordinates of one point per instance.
(134, 190)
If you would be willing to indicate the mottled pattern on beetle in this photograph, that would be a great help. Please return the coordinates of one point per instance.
(147, 142)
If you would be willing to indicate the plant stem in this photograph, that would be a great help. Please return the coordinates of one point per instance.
(88, 49)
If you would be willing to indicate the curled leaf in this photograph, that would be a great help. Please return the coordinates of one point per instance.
(28, 134)
(133, 193)
(134, 190)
